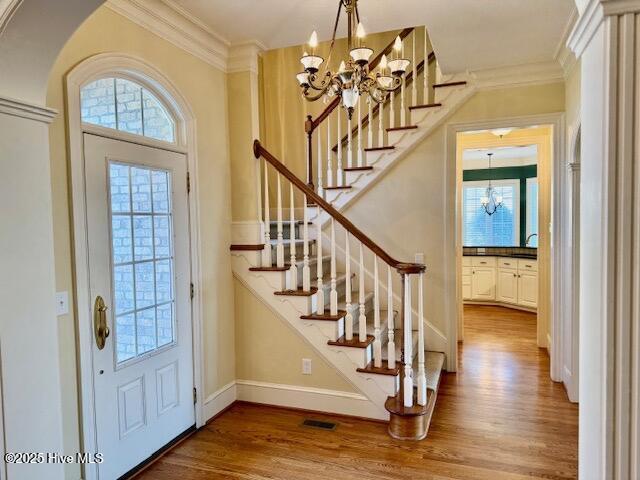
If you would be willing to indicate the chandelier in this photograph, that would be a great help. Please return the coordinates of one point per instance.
(353, 77)
(491, 201)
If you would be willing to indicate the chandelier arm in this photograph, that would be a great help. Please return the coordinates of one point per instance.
(312, 98)
(323, 85)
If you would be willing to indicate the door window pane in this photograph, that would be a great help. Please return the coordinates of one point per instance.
(142, 259)
(532, 212)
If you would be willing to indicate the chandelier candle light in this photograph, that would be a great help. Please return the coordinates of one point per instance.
(353, 77)
(491, 201)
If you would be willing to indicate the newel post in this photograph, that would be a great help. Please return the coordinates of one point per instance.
(308, 128)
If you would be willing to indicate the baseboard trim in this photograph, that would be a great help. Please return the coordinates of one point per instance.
(219, 400)
(308, 398)
(500, 304)
(290, 396)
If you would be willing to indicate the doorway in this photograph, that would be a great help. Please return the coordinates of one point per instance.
(139, 280)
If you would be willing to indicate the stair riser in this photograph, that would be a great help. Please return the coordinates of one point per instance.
(441, 94)
(397, 135)
(360, 357)
(286, 228)
(299, 249)
(419, 115)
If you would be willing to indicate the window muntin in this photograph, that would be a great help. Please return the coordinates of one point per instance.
(124, 105)
(142, 259)
(498, 230)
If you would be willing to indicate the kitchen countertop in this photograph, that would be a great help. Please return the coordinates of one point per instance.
(529, 256)
(530, 253)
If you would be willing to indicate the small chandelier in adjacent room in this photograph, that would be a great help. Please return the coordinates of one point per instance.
(353, 77)
(491, 201)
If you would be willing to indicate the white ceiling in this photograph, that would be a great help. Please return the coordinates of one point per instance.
(473, 159)
(466, 34)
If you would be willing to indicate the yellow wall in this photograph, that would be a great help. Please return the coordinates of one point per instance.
(268, 350)
(204, 87)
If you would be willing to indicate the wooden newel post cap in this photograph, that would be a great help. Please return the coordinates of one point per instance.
(256, 148)
(308, 124)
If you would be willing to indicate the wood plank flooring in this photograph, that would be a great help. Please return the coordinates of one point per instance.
(500, 417)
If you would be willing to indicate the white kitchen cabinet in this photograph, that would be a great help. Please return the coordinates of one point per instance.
(502, 280)
(483, 283)
(528, 289)
(507, 291)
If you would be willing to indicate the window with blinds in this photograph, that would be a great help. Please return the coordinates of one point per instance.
(498, 230)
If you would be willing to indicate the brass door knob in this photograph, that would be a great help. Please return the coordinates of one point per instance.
(100, 326)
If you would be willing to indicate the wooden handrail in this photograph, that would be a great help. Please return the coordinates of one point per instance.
(401, 267)
(374, 112)
(309, 128)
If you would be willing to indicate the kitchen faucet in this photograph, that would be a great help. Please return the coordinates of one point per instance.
(526, 243)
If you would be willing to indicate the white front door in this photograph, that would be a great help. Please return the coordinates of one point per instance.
(138, 244)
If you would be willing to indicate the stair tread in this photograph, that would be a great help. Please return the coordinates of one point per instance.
(287, 241)
(359, 169)
(425, 105)
(297, 293)
(325, 316)
(383, 370)
(354, 343)
(433, 363)
(397, 129)
(449, 84)
(300, 263)
(376, 149)
(398, 344)
(342, 187)
(396, 406)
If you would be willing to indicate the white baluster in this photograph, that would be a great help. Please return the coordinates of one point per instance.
(359, 146)
(392, 110)
(362, 318)
(349, 144)
(348, 319)
(266, 251)
(329, 154)
(414, 79)
(293, 269)
(377, 343)
(333, 295)
(320, 189)
(391, 346)
(280, 243)
(425, 71)
(370, 125)
(403, 114)
(339, 174)
(408, 354)
(422, 377)
(306, 271)
(320, 273)
(381, 124)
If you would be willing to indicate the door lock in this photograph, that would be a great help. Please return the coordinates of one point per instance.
(100, 327)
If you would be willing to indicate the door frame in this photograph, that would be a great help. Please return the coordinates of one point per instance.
(131, 67)
(453, 235)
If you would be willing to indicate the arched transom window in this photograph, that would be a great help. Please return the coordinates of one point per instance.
(127, 106)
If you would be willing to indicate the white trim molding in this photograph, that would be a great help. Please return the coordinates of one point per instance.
(518, 75)
(219, 400)
(563, 55)
(307, 398)
(116, 64)
(171, 22)
(19, 108)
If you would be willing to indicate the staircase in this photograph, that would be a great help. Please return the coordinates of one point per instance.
(359, 308)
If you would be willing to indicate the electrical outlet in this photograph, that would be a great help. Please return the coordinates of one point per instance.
(306, 366)
(62, 303)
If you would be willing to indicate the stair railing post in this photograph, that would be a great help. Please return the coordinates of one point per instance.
(306, 270)
(414, 78)
(348, 319)
(339, 171)
(403, 295)
(408, 344)
(425, 71)
(319, 268)
(293, 269)
(267, 259)
(333, 295)
(391, 345)
(377, 342)
(362, 317)
(359, 145)
(329, 155)
(280, 242)
(370, 124)
(308, 128)
(421, 380)
(320, 185)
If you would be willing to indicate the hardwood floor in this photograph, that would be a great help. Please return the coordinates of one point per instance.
(500, 417)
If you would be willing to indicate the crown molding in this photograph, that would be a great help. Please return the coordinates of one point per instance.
(31, 111)
(563, 54)
(174, 24)
(7, 9)
(593, 15)
(244, 57)
(518, 75)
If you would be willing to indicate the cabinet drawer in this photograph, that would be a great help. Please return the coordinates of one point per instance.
(528, 265)
(508, 263)
(483, 261)
(466, 261)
